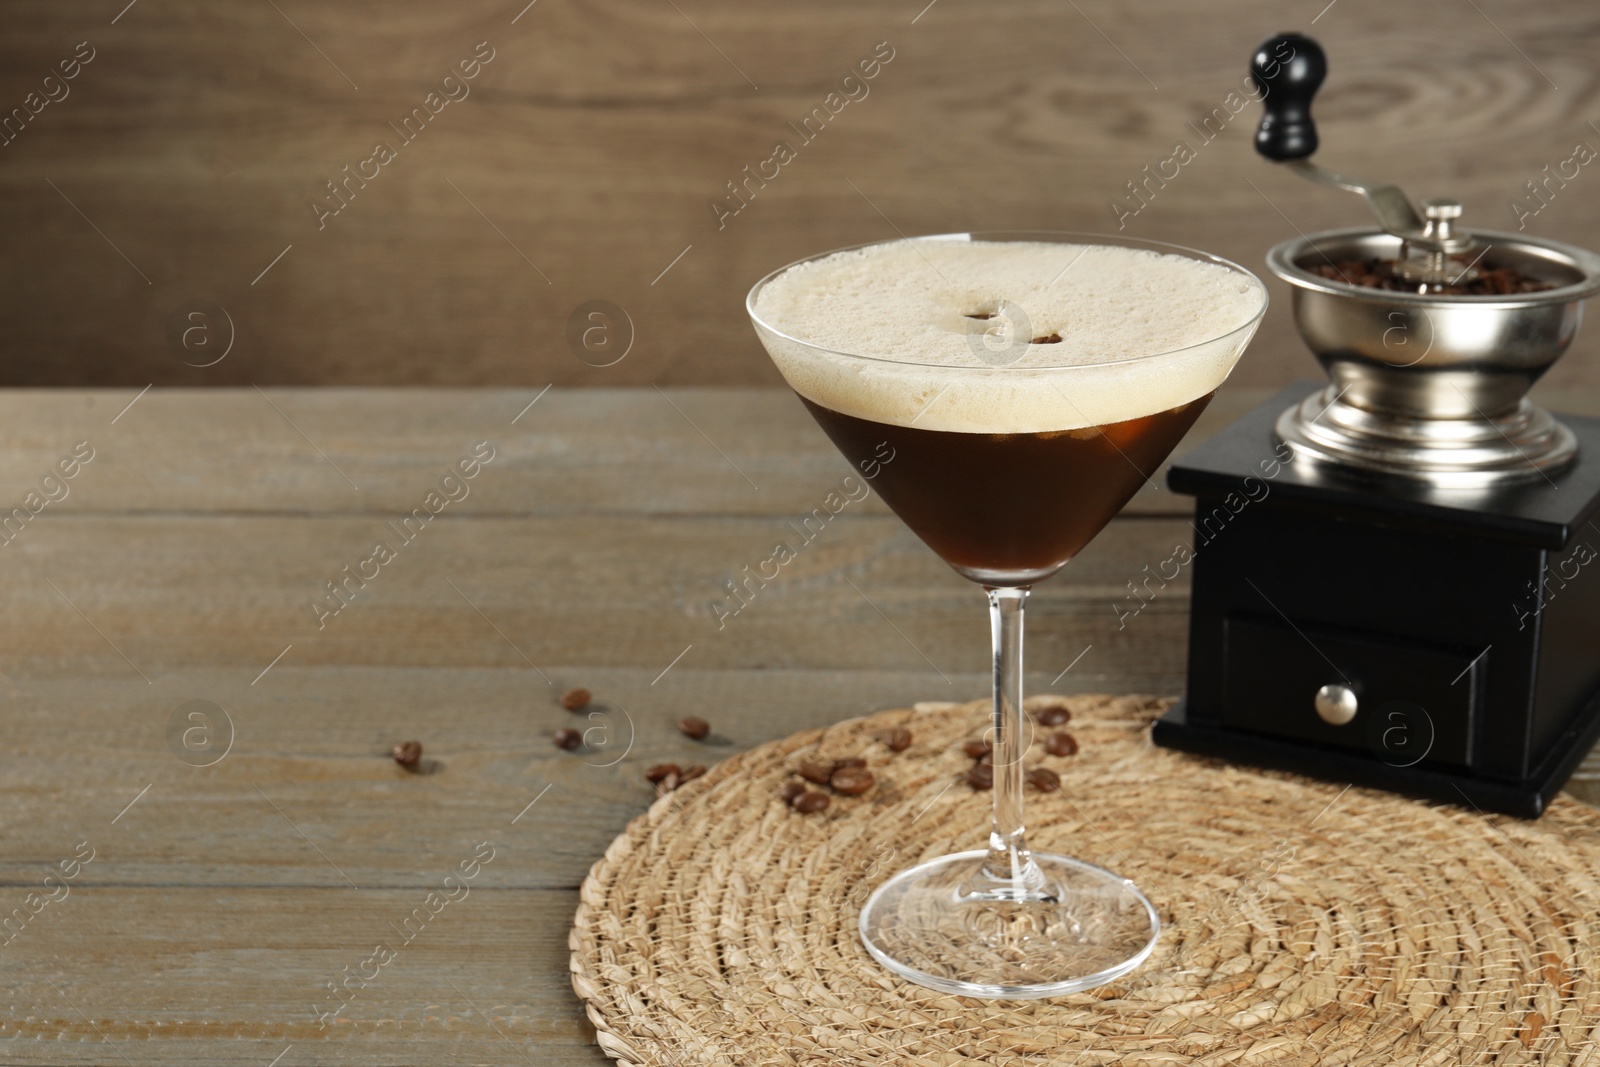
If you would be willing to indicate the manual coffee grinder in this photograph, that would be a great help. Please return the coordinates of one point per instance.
(1394, 576)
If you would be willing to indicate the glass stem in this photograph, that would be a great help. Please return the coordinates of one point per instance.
(1009, 862)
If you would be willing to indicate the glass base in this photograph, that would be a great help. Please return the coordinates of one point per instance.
(949, 925)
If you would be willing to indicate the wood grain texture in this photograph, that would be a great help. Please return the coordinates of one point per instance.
(232, 976)
(594, 452)
(590, 150)
(221, 899)
(537, 591)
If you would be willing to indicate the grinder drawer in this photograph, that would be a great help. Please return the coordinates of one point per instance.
(1405, 702)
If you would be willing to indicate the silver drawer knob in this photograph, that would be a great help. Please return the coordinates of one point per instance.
(1336, 704)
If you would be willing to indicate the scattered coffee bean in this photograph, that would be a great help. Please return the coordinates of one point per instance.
(1056, 716)
(816, 771)
(575, 699)
(1044, 779)
(981, 776)
(667, 784)
(808, 802)
(408, 754)
(694, 727)
(1061, 744)
(851, 781)
(689, 774)
(976, 749)
(849, 761)
(897, 739)
(790, 790)
(568, 738)
(660, 771)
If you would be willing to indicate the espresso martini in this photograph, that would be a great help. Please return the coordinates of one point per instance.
(1008, 396)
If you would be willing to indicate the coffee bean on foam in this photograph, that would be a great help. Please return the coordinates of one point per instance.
(908, 305)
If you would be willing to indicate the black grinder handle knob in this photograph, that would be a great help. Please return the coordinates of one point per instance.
(1288, 70)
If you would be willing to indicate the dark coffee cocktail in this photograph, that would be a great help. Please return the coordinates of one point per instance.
(1007, 397)
(1010, 508)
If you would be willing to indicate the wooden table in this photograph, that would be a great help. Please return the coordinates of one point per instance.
(222, 902)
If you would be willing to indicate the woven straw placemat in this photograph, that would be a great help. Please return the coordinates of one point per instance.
(1302, 923)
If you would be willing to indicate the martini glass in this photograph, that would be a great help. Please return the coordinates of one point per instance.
(1006, 459)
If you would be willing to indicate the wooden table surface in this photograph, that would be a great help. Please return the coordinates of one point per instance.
(219, 904)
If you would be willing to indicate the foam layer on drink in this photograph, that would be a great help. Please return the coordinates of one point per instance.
(913, 309)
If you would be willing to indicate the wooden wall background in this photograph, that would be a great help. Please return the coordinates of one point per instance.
(594, 142)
